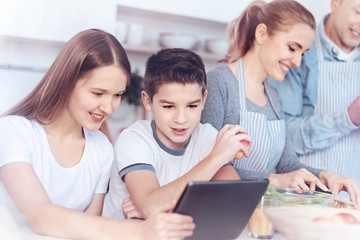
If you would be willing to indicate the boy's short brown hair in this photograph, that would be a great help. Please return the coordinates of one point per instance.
(173, 65)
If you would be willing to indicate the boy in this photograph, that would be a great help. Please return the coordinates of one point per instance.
(156, 159)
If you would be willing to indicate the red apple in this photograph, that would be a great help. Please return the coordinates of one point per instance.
(340, 218)
(345, 218)
(240, 154)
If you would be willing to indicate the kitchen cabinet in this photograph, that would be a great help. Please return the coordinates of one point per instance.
(54, 20)
(153, 23)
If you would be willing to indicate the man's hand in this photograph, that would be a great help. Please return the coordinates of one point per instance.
(354, 111)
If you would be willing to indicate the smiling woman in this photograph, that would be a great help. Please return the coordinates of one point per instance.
(277, 35)
(51, 140)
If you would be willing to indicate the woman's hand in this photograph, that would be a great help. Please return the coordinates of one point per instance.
(130, 209)
(299, 179)
(338, 183)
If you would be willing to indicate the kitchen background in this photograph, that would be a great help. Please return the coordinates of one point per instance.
(33, 32)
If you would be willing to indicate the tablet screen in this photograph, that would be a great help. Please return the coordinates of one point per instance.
(220, 209)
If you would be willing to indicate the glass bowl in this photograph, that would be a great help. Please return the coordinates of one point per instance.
(297, 197)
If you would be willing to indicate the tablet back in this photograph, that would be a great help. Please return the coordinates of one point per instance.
(220, 209)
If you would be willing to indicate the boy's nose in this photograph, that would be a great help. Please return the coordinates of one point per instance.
(180, 116)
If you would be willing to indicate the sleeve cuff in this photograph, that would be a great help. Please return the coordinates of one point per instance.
(134, 167)
(348, 124)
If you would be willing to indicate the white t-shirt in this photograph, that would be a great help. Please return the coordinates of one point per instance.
(24, 140)
(139, 145)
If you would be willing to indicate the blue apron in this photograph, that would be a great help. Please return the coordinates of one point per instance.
(338, 86)
(268, 136)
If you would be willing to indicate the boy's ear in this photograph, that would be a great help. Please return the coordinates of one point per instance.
(205, 96)
(261, 33)
(146, 101)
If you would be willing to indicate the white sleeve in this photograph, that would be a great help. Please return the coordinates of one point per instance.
(105, 169)
(132, 148)
(15, 141)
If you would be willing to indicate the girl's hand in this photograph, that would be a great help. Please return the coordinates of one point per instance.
(163, 226)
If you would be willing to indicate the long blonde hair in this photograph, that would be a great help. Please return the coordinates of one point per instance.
(277, 15)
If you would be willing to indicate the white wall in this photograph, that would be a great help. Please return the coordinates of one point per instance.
(56, 20)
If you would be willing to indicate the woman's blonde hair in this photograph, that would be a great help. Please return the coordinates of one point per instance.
(277, 15)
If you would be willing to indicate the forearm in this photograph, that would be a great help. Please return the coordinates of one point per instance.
(159, 198)
(53, 220)
(226, 173)
(317, 132)
(96, 206)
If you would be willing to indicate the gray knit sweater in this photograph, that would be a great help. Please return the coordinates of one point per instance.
(223, 107)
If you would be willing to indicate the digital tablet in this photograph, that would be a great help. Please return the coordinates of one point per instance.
(220, 209)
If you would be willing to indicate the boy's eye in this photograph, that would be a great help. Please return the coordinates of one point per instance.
(167, 106)
(97, 93)
(118, 95)
(193, 106)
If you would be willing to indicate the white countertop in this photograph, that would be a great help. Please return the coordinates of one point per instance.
(20, 233)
